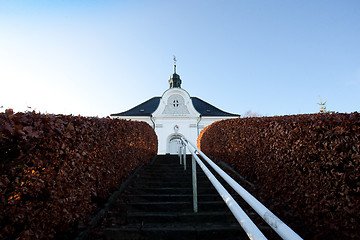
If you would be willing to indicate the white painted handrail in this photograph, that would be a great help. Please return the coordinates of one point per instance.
(249, 227)
(274, 222)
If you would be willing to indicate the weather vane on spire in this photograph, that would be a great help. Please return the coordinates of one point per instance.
(174, 63)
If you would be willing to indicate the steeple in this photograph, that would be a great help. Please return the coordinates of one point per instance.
(175, 81)
(174, 64)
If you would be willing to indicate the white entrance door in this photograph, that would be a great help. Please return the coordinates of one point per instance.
(174, 145)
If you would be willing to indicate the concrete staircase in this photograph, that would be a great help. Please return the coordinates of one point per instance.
(158, 205)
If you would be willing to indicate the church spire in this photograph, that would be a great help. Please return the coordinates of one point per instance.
(175, 81)
(174, 64)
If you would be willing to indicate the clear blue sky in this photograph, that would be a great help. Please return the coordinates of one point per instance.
(97, 57)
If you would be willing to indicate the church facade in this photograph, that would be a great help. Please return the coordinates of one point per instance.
(175, 114)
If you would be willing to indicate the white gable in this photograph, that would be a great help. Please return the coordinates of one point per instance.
(175, 103)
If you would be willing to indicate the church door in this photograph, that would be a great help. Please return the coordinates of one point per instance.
(174, 145)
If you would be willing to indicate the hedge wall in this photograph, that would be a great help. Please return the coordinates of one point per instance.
(56, 169)
(308, 167)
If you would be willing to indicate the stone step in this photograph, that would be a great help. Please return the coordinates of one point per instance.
(173, 162)
(184, 206)
(175, 232)
(178, 172)
(214, 217)
(163, 171)
(172, 197)
(206, 188)
(166, 165)
(170, 179)
(170, 176)
(167, 172)
(200, 184)
(160, 168)
(182, 217)
(169, 190)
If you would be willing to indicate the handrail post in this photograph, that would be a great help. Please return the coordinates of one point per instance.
(180, 154)
(184, 157)
(194, 183)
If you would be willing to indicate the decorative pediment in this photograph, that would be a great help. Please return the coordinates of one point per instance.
(176, 105)
(175, 102)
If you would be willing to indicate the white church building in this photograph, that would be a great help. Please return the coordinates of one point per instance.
(174, 114)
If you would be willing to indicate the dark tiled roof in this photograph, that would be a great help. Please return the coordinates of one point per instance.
(148, 107)
(143, 109)
(206, 109)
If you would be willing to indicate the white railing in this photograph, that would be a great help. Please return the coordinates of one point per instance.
(249, 227)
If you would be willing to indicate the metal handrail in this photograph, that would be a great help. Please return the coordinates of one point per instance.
(274, 222)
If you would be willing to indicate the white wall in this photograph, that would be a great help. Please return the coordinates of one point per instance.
(165, 129)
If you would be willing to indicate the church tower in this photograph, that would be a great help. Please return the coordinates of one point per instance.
(175, 81)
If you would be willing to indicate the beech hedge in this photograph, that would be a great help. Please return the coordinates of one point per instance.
(55, 170)
(307, 167)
